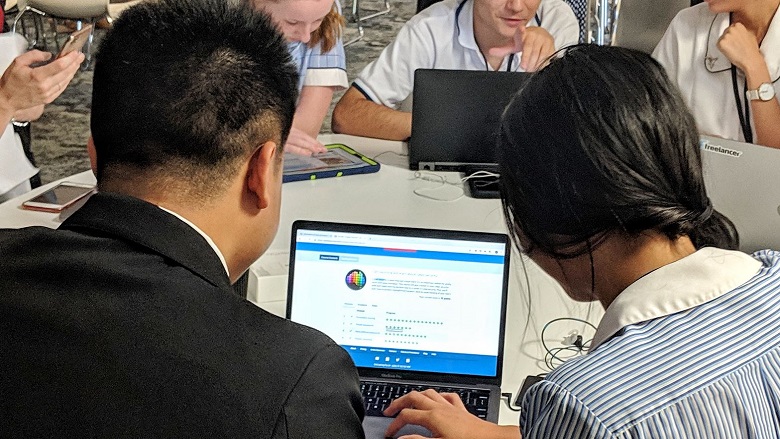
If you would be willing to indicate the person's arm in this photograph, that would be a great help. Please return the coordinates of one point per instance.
(445, 416)
(355, 114)
(312, 107)
(534, 44)
(29, 114)
(23, 86)
(741, 48)
(388, 80)
(326, 402)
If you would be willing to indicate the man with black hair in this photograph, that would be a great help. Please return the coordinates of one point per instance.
(122, 322)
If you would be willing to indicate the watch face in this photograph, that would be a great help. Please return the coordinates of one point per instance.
(766, 91)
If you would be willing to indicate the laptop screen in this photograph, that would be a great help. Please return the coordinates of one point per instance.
(403, 299)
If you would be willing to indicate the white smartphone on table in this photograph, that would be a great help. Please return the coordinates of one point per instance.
(59, 197)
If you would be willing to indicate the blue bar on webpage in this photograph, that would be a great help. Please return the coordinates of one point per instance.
(422, 361)
(415, 254)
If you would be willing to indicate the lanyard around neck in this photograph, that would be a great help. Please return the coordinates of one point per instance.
(744, 117)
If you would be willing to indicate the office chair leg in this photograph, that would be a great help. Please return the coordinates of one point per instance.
(17, 20)
(356, 18)
(53, 26)
(88, 47)
(357, 38)
(375, 14)
(37, 26)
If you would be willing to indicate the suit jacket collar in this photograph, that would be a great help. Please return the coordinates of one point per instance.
(147, 225)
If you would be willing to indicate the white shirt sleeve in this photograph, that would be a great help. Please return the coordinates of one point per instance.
(667, 52)
(389, 79)
(559, 20)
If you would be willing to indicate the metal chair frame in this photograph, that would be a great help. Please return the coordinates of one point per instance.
(356, 18)
(38, 23)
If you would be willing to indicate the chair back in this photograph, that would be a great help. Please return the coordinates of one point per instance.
(69, 9)
(640, 24)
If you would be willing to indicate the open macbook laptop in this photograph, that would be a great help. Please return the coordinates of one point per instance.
(414, 308)
(455, 117)
(741, 181)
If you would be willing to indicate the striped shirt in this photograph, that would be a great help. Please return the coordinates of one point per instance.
(687, 351)
(319, 69)
(315, 68)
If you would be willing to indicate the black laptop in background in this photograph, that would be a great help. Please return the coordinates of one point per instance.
(455, 118)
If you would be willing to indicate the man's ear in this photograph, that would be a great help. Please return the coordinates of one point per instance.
(261, 174)
(92, 154)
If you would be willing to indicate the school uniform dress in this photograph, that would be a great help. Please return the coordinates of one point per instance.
(442, 37)
(687, 351)
(315, 68)
(689, 52)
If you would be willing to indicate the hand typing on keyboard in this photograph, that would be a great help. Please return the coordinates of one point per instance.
(378, 395)
(445, 416)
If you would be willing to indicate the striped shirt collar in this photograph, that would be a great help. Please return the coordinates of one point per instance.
(681, 285)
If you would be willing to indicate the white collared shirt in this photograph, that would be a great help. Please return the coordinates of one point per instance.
(688, 351)
(204, 235)
(442, 37)
(689, 52)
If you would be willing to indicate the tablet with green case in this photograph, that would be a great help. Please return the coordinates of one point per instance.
(339, 160)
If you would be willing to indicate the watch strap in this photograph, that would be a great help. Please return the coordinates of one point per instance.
(766, 89)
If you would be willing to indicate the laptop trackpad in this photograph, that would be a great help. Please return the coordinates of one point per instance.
(375, 428)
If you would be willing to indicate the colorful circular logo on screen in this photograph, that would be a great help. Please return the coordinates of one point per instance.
(356, 279)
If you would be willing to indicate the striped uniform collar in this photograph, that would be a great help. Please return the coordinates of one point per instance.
(681, 285)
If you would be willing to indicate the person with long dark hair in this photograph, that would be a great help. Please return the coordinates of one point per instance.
(602, 188)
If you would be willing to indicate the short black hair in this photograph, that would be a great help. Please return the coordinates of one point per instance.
(184, 89)
(601, 140)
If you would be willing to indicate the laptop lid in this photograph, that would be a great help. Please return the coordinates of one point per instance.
(740, 180)
(455, 117)
(408, 304)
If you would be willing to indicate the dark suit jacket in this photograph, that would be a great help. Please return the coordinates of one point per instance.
(123, 323)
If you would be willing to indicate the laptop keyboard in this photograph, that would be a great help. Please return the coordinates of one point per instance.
(377, 396)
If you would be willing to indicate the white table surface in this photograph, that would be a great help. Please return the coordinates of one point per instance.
(387, 197)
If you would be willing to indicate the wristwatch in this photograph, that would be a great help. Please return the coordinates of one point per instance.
(764, 92)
